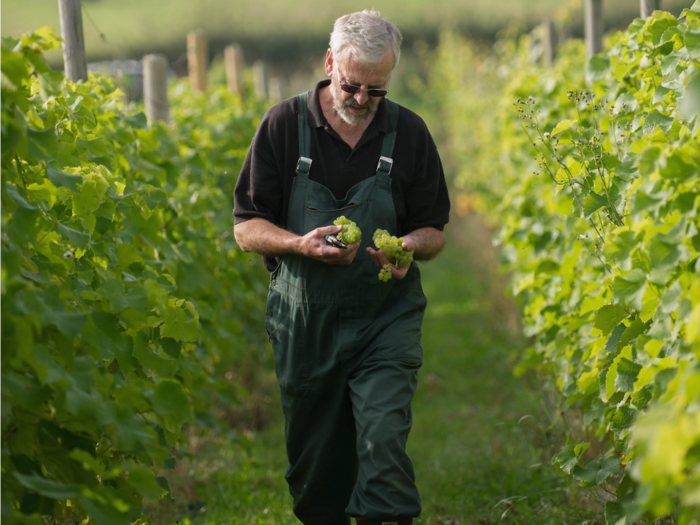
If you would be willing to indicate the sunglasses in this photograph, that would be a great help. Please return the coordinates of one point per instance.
(349, 88)
(354, 90)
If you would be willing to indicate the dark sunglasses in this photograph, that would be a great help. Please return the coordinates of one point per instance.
(349, 88)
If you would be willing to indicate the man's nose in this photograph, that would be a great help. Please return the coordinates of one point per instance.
(361, 97)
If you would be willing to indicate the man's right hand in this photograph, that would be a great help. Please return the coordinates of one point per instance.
(314, 245)
(263, 237)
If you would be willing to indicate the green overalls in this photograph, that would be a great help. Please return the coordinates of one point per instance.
(347, 350)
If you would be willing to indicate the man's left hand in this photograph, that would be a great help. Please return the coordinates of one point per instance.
(379, 258)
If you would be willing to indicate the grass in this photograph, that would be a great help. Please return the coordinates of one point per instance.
(273, 29)
(481, 440)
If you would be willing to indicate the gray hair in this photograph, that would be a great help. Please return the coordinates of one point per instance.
(368, 35)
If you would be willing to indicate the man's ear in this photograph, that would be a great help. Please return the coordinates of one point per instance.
(329, 62)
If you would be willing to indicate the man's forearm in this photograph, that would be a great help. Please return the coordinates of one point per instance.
(264, 238)
(425, 243)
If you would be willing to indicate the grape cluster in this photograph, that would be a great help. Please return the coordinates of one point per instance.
(385, 273)
(350, 233)
(391, 246)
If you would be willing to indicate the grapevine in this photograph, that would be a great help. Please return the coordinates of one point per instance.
(392, 248)
(122, 300)
(602, 241)
(350, 234)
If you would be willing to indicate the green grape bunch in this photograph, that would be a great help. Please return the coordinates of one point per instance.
(385, 273)
(350, 234)
(391, 246)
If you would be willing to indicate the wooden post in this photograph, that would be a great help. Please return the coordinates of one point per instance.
(197, 60)
(647, 7)
(593, 26)
(550, 42)
(259, 80)
(233, 57)
(74, 61)
(155, 87)
(274, 90)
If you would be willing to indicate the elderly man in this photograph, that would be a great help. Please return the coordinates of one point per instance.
(347, 346)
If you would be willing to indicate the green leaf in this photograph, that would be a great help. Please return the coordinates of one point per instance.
(608, 317)
(87, 201)
(615, 337)
(52, 84)
(647, 160)
(615, 513)
(151, 360)
(42, 143)
(69, 323)
(654, 119)
(78, 239)
(593, 203)
(665, 255)
(625, 103)
(14, 194)
(685, 203)
(563, 126)
(137, 120)
(692, 43)
(627, 373)
(660, 328)
(678, 166)
(72, 182)
(46, 487)
(170, 399)
(144, 481)
(13, 67)
(127, 254)
(104, 508)
(689, 104)
(624, 419)
(83, 404)
(177, 326)
(597, 471)
(641, 398)
(569, 456)
(633, 330)
(669, 299)
(660, 93)
(597, 67)
(630, 288)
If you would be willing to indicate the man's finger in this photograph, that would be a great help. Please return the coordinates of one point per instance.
(328, 230)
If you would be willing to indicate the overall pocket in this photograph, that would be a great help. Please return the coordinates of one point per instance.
(285, 324)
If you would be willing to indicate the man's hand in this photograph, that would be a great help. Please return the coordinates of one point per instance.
(314, 245)
(379, 258)
(263, 237)
(425, 243)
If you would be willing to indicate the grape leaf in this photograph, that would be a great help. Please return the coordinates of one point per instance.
(597, 470)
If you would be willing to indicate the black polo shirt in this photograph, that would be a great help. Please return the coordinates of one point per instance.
(418, 184)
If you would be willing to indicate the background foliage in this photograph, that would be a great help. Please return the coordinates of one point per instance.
(591, 168)
(125, 300)
(292, 36)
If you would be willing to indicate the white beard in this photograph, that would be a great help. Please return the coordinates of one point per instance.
(341, 107)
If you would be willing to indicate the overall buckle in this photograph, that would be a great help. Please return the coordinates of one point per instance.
(385, 164)
(304, 164)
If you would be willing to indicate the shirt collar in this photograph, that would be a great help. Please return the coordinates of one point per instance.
(316, 119)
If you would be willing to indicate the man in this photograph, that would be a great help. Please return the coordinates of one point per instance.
(347, 345)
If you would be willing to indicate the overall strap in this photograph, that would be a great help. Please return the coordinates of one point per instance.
(385, 160)
(304, 162)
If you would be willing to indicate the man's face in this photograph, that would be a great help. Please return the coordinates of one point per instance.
(354, 109)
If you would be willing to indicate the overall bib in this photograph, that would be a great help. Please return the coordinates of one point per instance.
(347, 351)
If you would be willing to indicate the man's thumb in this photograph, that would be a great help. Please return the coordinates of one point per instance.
(328, 230)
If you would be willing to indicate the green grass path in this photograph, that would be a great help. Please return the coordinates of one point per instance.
(481, 438)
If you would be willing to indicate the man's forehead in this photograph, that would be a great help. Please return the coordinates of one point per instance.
(352, 69)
